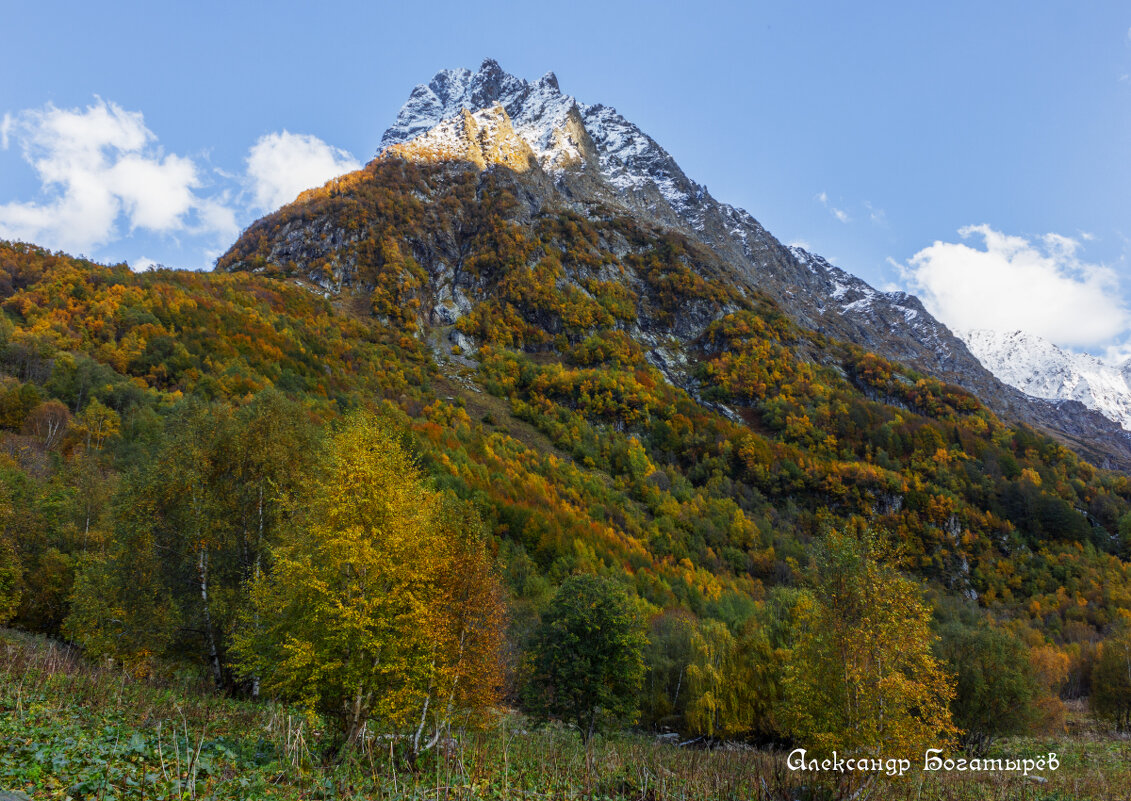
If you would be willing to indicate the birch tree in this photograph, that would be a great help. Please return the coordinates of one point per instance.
(862, 678)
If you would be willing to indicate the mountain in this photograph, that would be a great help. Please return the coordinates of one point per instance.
(592, 160)
(1039, 368)
(575, 290)
(655, 390)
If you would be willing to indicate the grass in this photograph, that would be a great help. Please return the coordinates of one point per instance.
(72, 729)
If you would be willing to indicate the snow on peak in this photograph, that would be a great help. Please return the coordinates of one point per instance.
(1040, 368)
(854, 295)
(561, 132)
(536, 108)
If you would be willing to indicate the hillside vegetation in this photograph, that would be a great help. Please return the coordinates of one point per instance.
(564, 393)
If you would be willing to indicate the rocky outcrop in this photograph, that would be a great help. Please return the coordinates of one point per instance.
(484, 138)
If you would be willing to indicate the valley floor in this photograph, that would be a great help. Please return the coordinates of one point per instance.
(71, 729)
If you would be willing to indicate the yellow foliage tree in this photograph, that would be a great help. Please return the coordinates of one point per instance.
(862, 678)
(96, 424)
(9, 562)
(711, 710)
(367, 612)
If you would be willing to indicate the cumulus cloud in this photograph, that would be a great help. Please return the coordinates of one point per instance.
(100, 167)
(143, 263)
(280, 165)
(1012, 283)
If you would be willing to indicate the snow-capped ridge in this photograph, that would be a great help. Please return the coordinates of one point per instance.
(536, 109)
(1040, 368)
(854, 295)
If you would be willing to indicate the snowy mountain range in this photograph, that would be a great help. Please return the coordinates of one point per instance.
(1039, 368)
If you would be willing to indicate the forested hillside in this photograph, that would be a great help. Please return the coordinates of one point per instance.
(589, 395)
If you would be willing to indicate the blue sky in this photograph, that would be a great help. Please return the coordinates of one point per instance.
(976, 153)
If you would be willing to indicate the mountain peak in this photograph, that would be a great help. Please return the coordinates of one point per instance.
(448, 93)
(587, 150)
(549, 80)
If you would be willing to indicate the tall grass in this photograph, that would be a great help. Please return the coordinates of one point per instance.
(70, 728)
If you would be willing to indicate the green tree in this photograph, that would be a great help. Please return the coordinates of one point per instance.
(1111, 681)
(10, 569)
(1124, 528)
(667, 657)
(192, 524)
(861, 677)
(996, 685)
(587, 656)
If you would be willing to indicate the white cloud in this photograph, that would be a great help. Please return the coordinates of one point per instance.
(1117, 355)
(280, 165)
(1013, 283)
(97, 167)
(840, 214)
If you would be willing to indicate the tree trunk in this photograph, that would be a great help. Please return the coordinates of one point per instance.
(213, 652)
(420, 728)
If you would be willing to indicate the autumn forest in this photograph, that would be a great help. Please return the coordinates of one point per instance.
(426, 451)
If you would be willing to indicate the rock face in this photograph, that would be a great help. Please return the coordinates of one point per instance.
(1039, 368)
(589, 158)
(483, 138)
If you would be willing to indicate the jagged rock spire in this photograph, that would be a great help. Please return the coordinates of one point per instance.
(562, 133)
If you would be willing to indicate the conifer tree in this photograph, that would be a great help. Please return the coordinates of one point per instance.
(587, 656)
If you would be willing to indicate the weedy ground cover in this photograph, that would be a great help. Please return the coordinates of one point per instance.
(70, 729)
